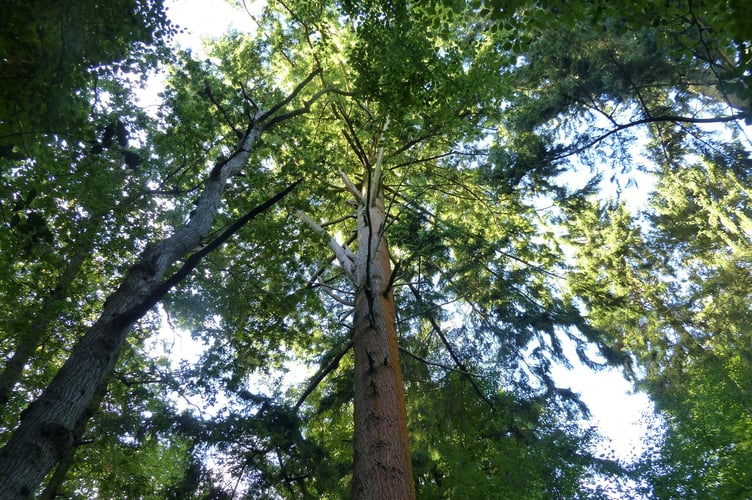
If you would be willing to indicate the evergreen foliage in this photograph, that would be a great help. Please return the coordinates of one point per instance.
(492, 129)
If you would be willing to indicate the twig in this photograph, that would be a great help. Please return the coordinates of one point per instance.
(433, 363)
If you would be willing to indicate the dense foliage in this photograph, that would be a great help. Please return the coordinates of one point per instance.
(504, 126)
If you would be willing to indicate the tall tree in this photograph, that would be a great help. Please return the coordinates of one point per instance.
(46, 429)
(382, 467)
(64, 112)
(436, 205)
(650, 284)
(447, 282)
(673, 299)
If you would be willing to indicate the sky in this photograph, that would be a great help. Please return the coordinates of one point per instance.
(208, 18)
(616, 410)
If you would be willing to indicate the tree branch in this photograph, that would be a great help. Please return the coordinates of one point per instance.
(351, 187)
(343, 254)
(322, 373)
(377, 169)
(432, 363)
(330, 292)
(284, 102)
(449, 348)
(194, 259)
(650, 119)
(210, 95)
(305, 108)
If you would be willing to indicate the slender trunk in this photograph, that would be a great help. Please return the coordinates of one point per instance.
(39, 327)
(47, 426)
(382, 468)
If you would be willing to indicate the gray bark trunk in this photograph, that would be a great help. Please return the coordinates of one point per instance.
(38, 328)
(47, 426)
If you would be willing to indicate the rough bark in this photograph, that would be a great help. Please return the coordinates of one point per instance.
(382, 468)
(47, 426)
(56, 481)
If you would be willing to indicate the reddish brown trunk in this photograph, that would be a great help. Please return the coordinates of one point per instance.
(382, 468)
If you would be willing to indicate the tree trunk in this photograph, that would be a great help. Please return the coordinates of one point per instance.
(47, 426)
(52, 488)
(382, 468)
(39, 328)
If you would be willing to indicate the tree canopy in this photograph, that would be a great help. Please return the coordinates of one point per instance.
(406, 201)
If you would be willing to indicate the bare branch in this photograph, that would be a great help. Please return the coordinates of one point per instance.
(343, 254)
(337, 220)
(352, 137)
(351, 187)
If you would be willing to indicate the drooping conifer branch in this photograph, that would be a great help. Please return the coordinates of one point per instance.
(618, 127)
(450, 349)
(323, 371)
(434, 363)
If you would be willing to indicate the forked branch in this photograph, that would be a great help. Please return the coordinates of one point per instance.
(343, 254)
